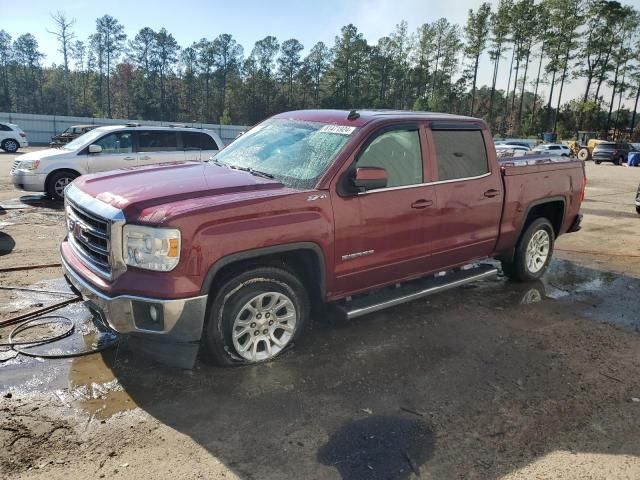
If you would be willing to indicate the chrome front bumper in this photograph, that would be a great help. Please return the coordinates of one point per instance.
(178, 320)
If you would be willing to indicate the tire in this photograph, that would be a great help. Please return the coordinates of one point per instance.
(583, 154)
(638, 210)
(57, 182)
(527, 266)
(10, 145)
(238, 316)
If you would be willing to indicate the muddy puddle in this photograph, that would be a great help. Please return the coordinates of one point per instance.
(105, 383)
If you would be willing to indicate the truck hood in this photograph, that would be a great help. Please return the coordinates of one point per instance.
(42, 154)
(136, 189)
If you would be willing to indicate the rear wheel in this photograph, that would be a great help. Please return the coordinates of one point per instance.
(255, 316)
(58, 182)
(533, 252)
(10, 146)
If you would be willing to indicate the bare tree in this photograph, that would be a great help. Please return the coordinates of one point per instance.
(65, 36)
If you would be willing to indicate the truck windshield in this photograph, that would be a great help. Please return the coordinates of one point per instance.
(294, 152)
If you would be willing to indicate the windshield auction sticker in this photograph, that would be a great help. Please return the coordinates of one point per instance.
(339, 129)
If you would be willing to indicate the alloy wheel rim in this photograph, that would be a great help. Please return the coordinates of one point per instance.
(264, 326)
(60, 185)
(538, 251)
(11, 146)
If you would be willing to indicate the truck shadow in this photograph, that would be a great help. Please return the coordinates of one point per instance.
(473, 383)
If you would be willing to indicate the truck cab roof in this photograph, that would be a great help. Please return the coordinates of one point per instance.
(364, 117)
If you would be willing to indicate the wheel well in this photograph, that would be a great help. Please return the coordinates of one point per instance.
(552, 211)
(304, 263)
(51, 174)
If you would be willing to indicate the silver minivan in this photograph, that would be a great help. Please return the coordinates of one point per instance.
(110, 148)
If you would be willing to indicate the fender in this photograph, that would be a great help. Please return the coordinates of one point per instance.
(261, 252)
(542, 201)
(508, 255)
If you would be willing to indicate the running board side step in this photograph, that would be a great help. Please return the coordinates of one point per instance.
(392, 296)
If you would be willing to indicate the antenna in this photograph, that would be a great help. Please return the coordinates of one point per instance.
(353, 115)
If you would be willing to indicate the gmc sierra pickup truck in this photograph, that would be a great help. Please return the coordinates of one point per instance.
(362, 209)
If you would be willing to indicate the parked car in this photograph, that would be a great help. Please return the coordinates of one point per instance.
(109, 148)
(614, 152)
(69, 134)
(12, 137)
(513, 142)
(506, 150)
(638, 201)
(556, 149)
(310, 207)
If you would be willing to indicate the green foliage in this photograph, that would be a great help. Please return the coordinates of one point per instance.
(151, 77)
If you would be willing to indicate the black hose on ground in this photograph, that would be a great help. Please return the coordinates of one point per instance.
(40, 341)
(23, 346)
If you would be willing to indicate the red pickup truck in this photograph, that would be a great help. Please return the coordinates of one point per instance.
(363, 209)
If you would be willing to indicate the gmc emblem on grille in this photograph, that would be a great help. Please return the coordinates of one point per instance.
(79, 232)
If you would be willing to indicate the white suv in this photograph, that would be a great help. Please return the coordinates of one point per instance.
(110, 148)
(12, 137)
(554, 149)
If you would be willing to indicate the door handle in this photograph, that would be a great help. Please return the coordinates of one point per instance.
(146, 157)
(129, 158)
(422, 203)
(491, 193)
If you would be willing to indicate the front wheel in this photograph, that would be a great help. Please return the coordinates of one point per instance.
(57, 183)
(255, 316)
(533, 252)
(583, 154)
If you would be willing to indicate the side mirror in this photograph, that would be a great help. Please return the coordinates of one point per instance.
(370, 178)
(93, 148)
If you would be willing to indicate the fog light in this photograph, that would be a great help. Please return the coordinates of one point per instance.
(153, 313)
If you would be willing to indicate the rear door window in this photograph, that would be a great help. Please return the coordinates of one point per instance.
(5, 128)
(460, 153)
(157, 141)
(198, 141)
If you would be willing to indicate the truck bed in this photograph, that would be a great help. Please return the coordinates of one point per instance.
(531, 180)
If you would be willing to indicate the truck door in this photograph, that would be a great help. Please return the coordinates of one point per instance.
(379, 234)
(469, 194)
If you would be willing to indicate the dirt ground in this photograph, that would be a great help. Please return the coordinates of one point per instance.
(493, 381)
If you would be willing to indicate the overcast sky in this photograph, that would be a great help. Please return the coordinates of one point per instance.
(247, 20)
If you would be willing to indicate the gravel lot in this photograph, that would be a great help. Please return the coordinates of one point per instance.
(497, 380)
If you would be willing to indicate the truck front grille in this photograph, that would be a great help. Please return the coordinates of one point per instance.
(89, 236)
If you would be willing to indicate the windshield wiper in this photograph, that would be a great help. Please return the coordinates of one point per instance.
(217, 162)
(252, 171)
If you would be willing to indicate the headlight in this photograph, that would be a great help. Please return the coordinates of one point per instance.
(28, 165)
(151, 248)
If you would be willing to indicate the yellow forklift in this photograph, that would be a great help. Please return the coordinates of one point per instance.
(584, 145)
